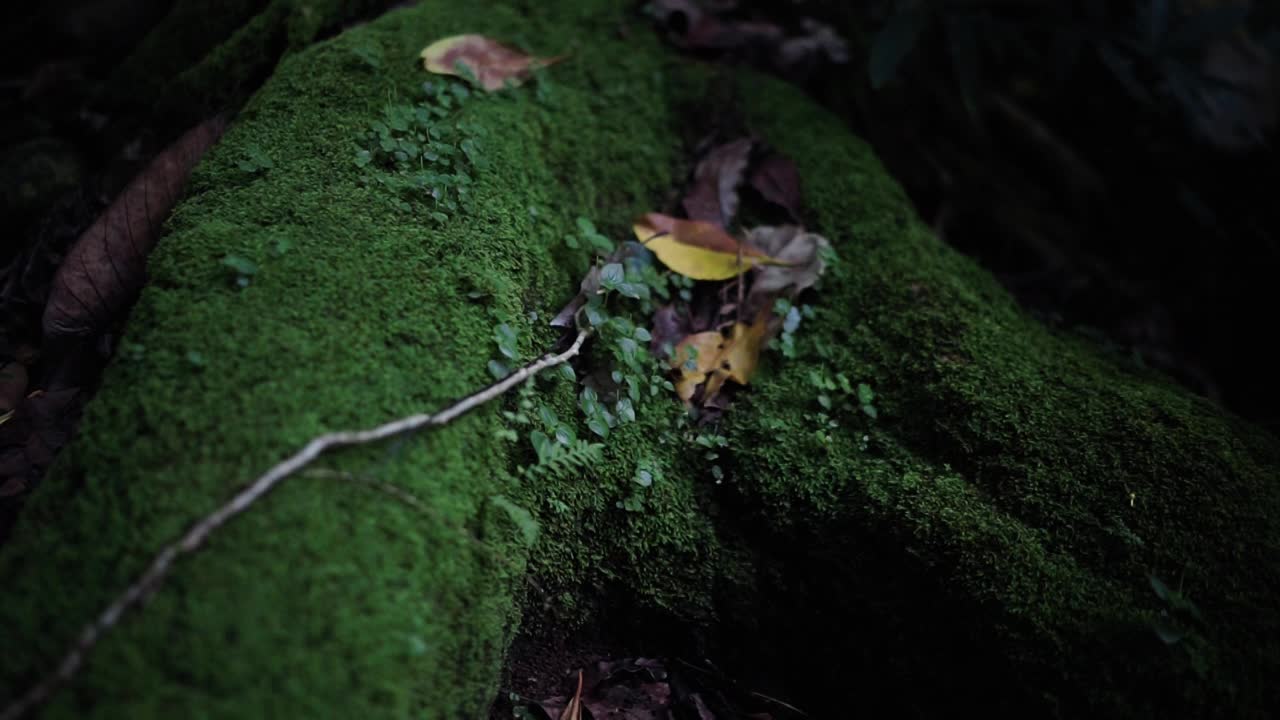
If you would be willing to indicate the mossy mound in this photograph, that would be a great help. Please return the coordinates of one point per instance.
(987, 540)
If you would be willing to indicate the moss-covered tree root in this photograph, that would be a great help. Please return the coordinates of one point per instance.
(987, 541)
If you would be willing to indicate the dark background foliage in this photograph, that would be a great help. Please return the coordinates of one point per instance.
(1112, 162)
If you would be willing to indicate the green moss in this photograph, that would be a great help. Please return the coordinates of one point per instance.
(991, 531)
(330, 598)
(1028, 472)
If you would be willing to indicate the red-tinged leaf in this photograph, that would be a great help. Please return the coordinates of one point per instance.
(106, 266)
(778, 181)
(714, 195)
(697, 249)
(491, 63)
(669, 327)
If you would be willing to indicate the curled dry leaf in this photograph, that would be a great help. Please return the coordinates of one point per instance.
(105, 267)
(491, 63)
(697, 249)
(778, 181)
(714, 195)
(573, 711)
(800, 256)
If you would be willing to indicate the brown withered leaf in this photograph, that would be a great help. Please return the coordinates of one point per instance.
(778, 181)
(106, 266)
(802, 254)
(491, 63)
(669, 326)
(714, 195)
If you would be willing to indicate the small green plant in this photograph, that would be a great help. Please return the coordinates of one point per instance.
(423, 154)
(588, 236)
(791, 318)
(836, 395)
(1179, 614)
(242, 269)
(508, 344)
(646, 474)
(255, 160)
(370, 54)
(562, 460)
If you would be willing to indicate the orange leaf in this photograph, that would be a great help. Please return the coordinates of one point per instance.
(743, 351)
(697, 249)
(492, 63)
(695, 357)
(711, 358)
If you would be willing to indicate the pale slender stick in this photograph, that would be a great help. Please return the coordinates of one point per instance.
(150, 581)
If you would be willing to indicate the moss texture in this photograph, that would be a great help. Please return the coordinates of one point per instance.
(1002, 514)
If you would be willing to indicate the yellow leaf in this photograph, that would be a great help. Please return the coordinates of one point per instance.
(711, 358)
(697, 249)
(492, 63)
(743, 351)
(695, 357)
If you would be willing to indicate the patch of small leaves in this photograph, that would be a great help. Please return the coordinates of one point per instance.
(423, 153)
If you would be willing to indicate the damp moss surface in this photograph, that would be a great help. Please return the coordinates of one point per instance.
(987, 539)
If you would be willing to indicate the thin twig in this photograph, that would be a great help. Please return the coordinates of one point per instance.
(147, 584)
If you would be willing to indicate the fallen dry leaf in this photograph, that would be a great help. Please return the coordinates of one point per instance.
(742, 354)
(708, 359)
(573, 711)
(668, 327)
(800, 256)
(714, 195)
(106, 266)
(697, 249)
(778, 181)
(696, 357)
(491, 63)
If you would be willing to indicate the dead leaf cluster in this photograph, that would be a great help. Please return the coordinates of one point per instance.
(716, 339)
(718, 336)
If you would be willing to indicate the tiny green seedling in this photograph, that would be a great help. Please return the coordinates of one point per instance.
(242, 269)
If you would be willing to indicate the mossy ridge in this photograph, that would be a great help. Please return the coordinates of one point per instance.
(412, 613)
(315, 600)
(1048, 439)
